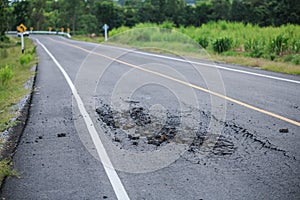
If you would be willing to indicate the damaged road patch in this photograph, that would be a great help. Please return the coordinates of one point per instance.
(139, 129)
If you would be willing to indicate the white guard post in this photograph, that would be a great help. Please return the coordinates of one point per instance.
(105, 27)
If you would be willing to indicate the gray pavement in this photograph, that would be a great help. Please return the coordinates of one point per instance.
(249, 159)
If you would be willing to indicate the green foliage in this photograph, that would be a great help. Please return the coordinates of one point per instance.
(222, 44)
(13, 89)
(5, 169)
(288, 58)
(116, 31)
(4, 38)
(33, 51)
(296, 59)
(3, 19)
(108, 13)
(248, 40)
(255, 47)
(6, 74)
(278, 44)
(25, 59)
(295, 45)
(89, 16)
(3, 53)
(167, 25)
(203, 42)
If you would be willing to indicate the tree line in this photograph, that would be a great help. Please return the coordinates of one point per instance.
(88, 16)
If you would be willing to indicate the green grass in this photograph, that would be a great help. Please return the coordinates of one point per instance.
(12, 90)
(269, 65)
(237, 43)
(88, 38)
(5, 170)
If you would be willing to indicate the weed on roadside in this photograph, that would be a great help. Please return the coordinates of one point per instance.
(6, 74)
(5, 169)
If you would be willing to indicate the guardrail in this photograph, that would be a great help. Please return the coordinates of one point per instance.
(43, 33)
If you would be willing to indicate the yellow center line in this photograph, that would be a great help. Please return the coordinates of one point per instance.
(187, 84)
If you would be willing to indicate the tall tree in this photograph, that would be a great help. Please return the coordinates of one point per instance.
(3, 19)
(147, 13)
(21, 13)
(37, 13)
(70, 11)
(288, 11)
(203, 13)
(174, 9)
(159, 13)
(109, 13)
(237, 10)
(220, 10)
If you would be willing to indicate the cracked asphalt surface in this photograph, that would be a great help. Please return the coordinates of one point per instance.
(254, 156)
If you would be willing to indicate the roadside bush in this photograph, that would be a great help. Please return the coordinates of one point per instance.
(256, 48)
(4, 53)
(33, 50)
(144, 37)
(288, 58)
(257, 53)
(119, 30)
(249, 44)
(295, 46)
(25, 59)
(6, 74)
(203, 42)
(167, 25)
(5, 169)
(272, 57)
(278, 45)
(296, 60)
(222, 44)
(4, 38)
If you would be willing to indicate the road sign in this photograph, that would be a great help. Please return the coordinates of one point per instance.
(31, 28)
(50, 29)
(105, 27)
(62, 29)
(21, 28)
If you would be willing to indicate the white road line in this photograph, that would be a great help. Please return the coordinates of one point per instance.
(207, 65)
(109, 169)
(194, 62)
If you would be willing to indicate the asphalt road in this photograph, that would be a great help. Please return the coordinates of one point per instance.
(107, 123)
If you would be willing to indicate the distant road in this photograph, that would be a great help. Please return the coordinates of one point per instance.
(114, 123)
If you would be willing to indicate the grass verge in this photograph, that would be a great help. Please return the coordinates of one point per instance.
(15, 71)
(88, 38)
(5, 170)
(19, 66)
(282, 67)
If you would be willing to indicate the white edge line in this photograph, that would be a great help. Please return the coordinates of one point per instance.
(194, 62)
(208, 65)
(109, 169)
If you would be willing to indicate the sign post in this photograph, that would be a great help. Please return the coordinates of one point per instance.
(22, 41)
(105, 27)
(22, 28)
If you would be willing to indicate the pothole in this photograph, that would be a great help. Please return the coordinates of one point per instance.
(137, 128)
